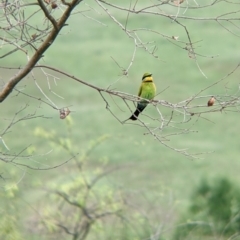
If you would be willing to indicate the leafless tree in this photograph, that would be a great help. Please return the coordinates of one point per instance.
(29, 28)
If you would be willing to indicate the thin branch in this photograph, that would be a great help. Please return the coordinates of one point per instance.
(7, 89)
(48, 16)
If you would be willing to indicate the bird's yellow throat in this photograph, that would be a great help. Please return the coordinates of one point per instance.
(148, 79)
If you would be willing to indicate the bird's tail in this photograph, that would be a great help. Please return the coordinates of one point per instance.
(139, 109)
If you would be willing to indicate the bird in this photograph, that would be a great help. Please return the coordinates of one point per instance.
(147, 91)
(211, 101)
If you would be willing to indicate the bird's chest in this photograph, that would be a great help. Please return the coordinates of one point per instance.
(148, 91)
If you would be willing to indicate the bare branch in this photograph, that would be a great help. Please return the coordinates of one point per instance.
(39, 53)
(51, 19)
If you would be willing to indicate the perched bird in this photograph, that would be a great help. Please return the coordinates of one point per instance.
(211, 101)
(147, 91)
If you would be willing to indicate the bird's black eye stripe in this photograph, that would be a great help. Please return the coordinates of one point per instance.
(146, 76)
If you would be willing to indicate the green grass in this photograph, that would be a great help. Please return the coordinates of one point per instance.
(85, 50)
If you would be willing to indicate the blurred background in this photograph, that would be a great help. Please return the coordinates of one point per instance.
(107, 180)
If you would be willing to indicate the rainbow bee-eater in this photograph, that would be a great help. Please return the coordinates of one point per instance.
(147, 91)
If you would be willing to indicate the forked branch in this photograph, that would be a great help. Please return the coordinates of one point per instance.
(58, 25)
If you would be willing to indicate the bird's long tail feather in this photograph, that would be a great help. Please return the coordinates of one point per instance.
(139, 109)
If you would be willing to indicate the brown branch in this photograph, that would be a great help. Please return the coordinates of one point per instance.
(9, 86)
(66, 230)
(41, 168)
(183, 105)
(74, 203)
(99, 89)
(48, 16)
(170, 16)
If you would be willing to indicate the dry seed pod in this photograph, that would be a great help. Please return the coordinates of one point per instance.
(54, 5)
(64, 113)
(178, 2)
(34, 36)
(211, 101)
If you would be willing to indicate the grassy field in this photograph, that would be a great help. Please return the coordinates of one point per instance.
(86, 49)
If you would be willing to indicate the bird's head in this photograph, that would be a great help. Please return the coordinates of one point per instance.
(145, 75)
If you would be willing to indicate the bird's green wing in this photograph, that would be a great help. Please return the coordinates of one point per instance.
(140, 91)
